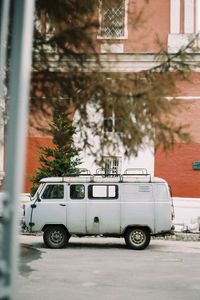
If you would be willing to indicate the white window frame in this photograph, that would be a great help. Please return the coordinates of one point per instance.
(125, 36)
(191, 19)
(189, 16)
(175, 6)
(197, 16)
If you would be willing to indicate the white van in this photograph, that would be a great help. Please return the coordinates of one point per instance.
(133, 205)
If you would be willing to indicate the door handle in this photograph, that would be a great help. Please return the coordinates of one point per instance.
(62, 204)
(96, 220)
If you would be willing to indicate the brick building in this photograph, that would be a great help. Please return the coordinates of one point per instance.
(175, 22)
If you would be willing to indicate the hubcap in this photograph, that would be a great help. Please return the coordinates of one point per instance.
(56, 237)
(137, 237)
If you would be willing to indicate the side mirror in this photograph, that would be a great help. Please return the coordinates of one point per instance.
(38, 198)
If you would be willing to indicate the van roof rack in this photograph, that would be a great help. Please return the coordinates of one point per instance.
(107, 172)
(136, 175)
(136, 171)
(84, 171)
(129, 175)
(79, 172)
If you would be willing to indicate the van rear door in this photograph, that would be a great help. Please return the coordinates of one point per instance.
(163, 207)
(137, 205)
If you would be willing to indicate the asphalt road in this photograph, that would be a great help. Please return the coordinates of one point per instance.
(103, 268)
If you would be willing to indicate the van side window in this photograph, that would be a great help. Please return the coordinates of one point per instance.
(103, 191)
(53, 191)
(77, 191)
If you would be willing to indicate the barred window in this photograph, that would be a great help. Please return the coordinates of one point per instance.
(112, 18)
(112, 165)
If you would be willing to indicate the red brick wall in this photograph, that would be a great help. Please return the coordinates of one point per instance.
(176, 168)
(32, 161)
(189, 115)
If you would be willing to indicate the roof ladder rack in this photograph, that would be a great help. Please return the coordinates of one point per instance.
(136, 175)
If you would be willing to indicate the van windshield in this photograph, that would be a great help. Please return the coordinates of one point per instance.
(37, 192)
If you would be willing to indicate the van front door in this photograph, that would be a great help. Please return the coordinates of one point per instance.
(103, 209)
(50, 207)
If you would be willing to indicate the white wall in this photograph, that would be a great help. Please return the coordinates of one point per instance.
(187, 213)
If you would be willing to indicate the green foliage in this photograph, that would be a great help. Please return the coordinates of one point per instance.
(62, 159)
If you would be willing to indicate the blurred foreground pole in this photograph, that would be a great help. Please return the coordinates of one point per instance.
(4, 23)
(18, 93)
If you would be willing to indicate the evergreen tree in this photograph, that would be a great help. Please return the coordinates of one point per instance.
(61, 159)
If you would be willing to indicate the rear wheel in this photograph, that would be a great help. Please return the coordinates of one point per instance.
(137, 238)
(56, 237)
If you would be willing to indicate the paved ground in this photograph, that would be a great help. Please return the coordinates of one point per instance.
(103, 268)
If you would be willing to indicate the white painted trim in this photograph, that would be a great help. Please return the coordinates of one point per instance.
(197, 15)
(126, 19)
(118, 62)
(189, 16)
(175, 11)
(112, 48)
(99, 37)
(188, 97)
(184, 98)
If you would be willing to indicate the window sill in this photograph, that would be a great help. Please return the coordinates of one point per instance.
(178, 40)
(112, 38)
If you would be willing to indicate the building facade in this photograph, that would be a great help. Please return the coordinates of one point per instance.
(127, 47)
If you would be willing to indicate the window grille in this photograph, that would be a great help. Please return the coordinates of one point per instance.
(112, 165)
(112, 18)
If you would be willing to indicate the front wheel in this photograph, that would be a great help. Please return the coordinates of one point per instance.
(56, 237)
(137, 238)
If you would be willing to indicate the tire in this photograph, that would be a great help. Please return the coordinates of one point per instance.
(56, 237)
(137, 238)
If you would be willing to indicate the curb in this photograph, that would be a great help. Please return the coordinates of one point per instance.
(181, 236)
